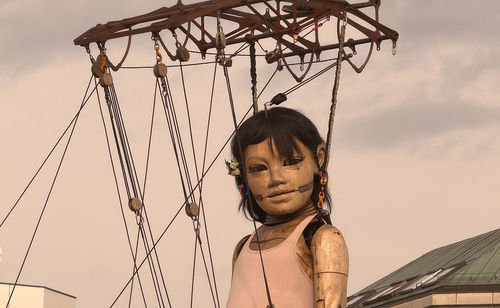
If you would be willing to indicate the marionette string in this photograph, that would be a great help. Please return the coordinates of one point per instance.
(73, 126)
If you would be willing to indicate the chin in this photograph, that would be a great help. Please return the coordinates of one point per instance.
(280, 209)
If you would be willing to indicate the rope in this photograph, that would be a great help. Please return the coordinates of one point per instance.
(202, 206)
(192, 275)
(268, 82)
(179, 210)
(48, 155)
(309, 79)
(143, 196)
(135, 267)
(169, 66)
(174, 126)
(85, 99)
(134, 256)
(231, 103)
(199, 187)
(335, 89)
(130, 175)
(253, 75)
(144, 210)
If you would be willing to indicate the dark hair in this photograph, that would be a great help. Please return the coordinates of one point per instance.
(280, 124)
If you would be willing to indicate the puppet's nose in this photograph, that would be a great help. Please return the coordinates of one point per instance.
(277, 176)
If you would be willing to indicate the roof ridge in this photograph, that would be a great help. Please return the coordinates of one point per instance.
(466, 250)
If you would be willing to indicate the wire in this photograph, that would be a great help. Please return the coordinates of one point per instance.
(134, 256)
(180, 209)
(48, 156)
(202, 206)
(309, 79)
(130, 175)
(231, 103)
(199, 187)
(194, 267)
(85, 99)
(170, 66)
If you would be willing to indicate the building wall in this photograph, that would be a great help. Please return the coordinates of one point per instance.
(54, 299)
(456, 300)
(34, 297)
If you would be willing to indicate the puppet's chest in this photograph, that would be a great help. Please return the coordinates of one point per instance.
(272, 236)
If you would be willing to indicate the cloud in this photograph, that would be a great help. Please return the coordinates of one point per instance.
(34, 32)
(416, 120)
(437, 21)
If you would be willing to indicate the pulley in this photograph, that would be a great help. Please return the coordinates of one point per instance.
(135, 204)
(278, 99)
(106, 80)
(192, 209)
(220, 39)
(182, 53)
(160, 70)
(97, 67)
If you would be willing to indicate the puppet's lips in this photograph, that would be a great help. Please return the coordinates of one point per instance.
(280, 193)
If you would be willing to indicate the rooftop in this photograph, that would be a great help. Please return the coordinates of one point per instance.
(473, 263)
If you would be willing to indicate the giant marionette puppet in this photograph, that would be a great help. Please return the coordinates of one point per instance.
(296, 258)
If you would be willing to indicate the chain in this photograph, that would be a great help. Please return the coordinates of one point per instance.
(87, 49)
(159, 57)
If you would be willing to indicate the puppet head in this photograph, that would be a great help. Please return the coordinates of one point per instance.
(280, 162)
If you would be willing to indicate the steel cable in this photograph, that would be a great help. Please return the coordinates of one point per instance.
(85, 99)
(134, 256)
(47, 157)
(179, 210)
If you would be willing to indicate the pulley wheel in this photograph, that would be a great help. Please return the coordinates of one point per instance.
(160, 70)
(182, 54)
(135, 204)
(192, 210)
(106, 80)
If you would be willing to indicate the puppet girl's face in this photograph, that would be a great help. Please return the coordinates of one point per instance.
(281, 185)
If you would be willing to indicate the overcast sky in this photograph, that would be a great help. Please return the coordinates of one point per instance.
(415, 162)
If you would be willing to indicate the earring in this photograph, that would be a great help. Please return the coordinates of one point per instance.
(242, 191)
(321, 194)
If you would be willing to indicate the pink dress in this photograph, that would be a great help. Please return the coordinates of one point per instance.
(289, 285)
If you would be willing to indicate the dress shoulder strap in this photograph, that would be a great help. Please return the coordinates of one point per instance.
(294, 236)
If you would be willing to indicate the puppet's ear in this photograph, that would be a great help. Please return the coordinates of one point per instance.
(320, 154)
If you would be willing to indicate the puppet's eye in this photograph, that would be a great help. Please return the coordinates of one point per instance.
(293, 161)
(257, 168)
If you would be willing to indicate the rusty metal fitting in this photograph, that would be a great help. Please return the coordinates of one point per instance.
(96, 67)
(192, 209)
(135, 204)
(160, 70)
(272, 56)
(226, 61)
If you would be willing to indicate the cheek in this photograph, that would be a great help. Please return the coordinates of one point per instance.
(256, 184)
(303, 175)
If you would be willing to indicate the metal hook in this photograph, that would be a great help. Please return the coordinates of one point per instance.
(266, 105)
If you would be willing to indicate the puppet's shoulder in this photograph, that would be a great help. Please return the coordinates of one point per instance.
(327, 231)
(329, 249)
(238, 247)
(328, 236)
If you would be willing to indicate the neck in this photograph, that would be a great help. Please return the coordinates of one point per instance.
(279, 219)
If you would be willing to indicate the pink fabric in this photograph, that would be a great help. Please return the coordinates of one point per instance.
(289, 285)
